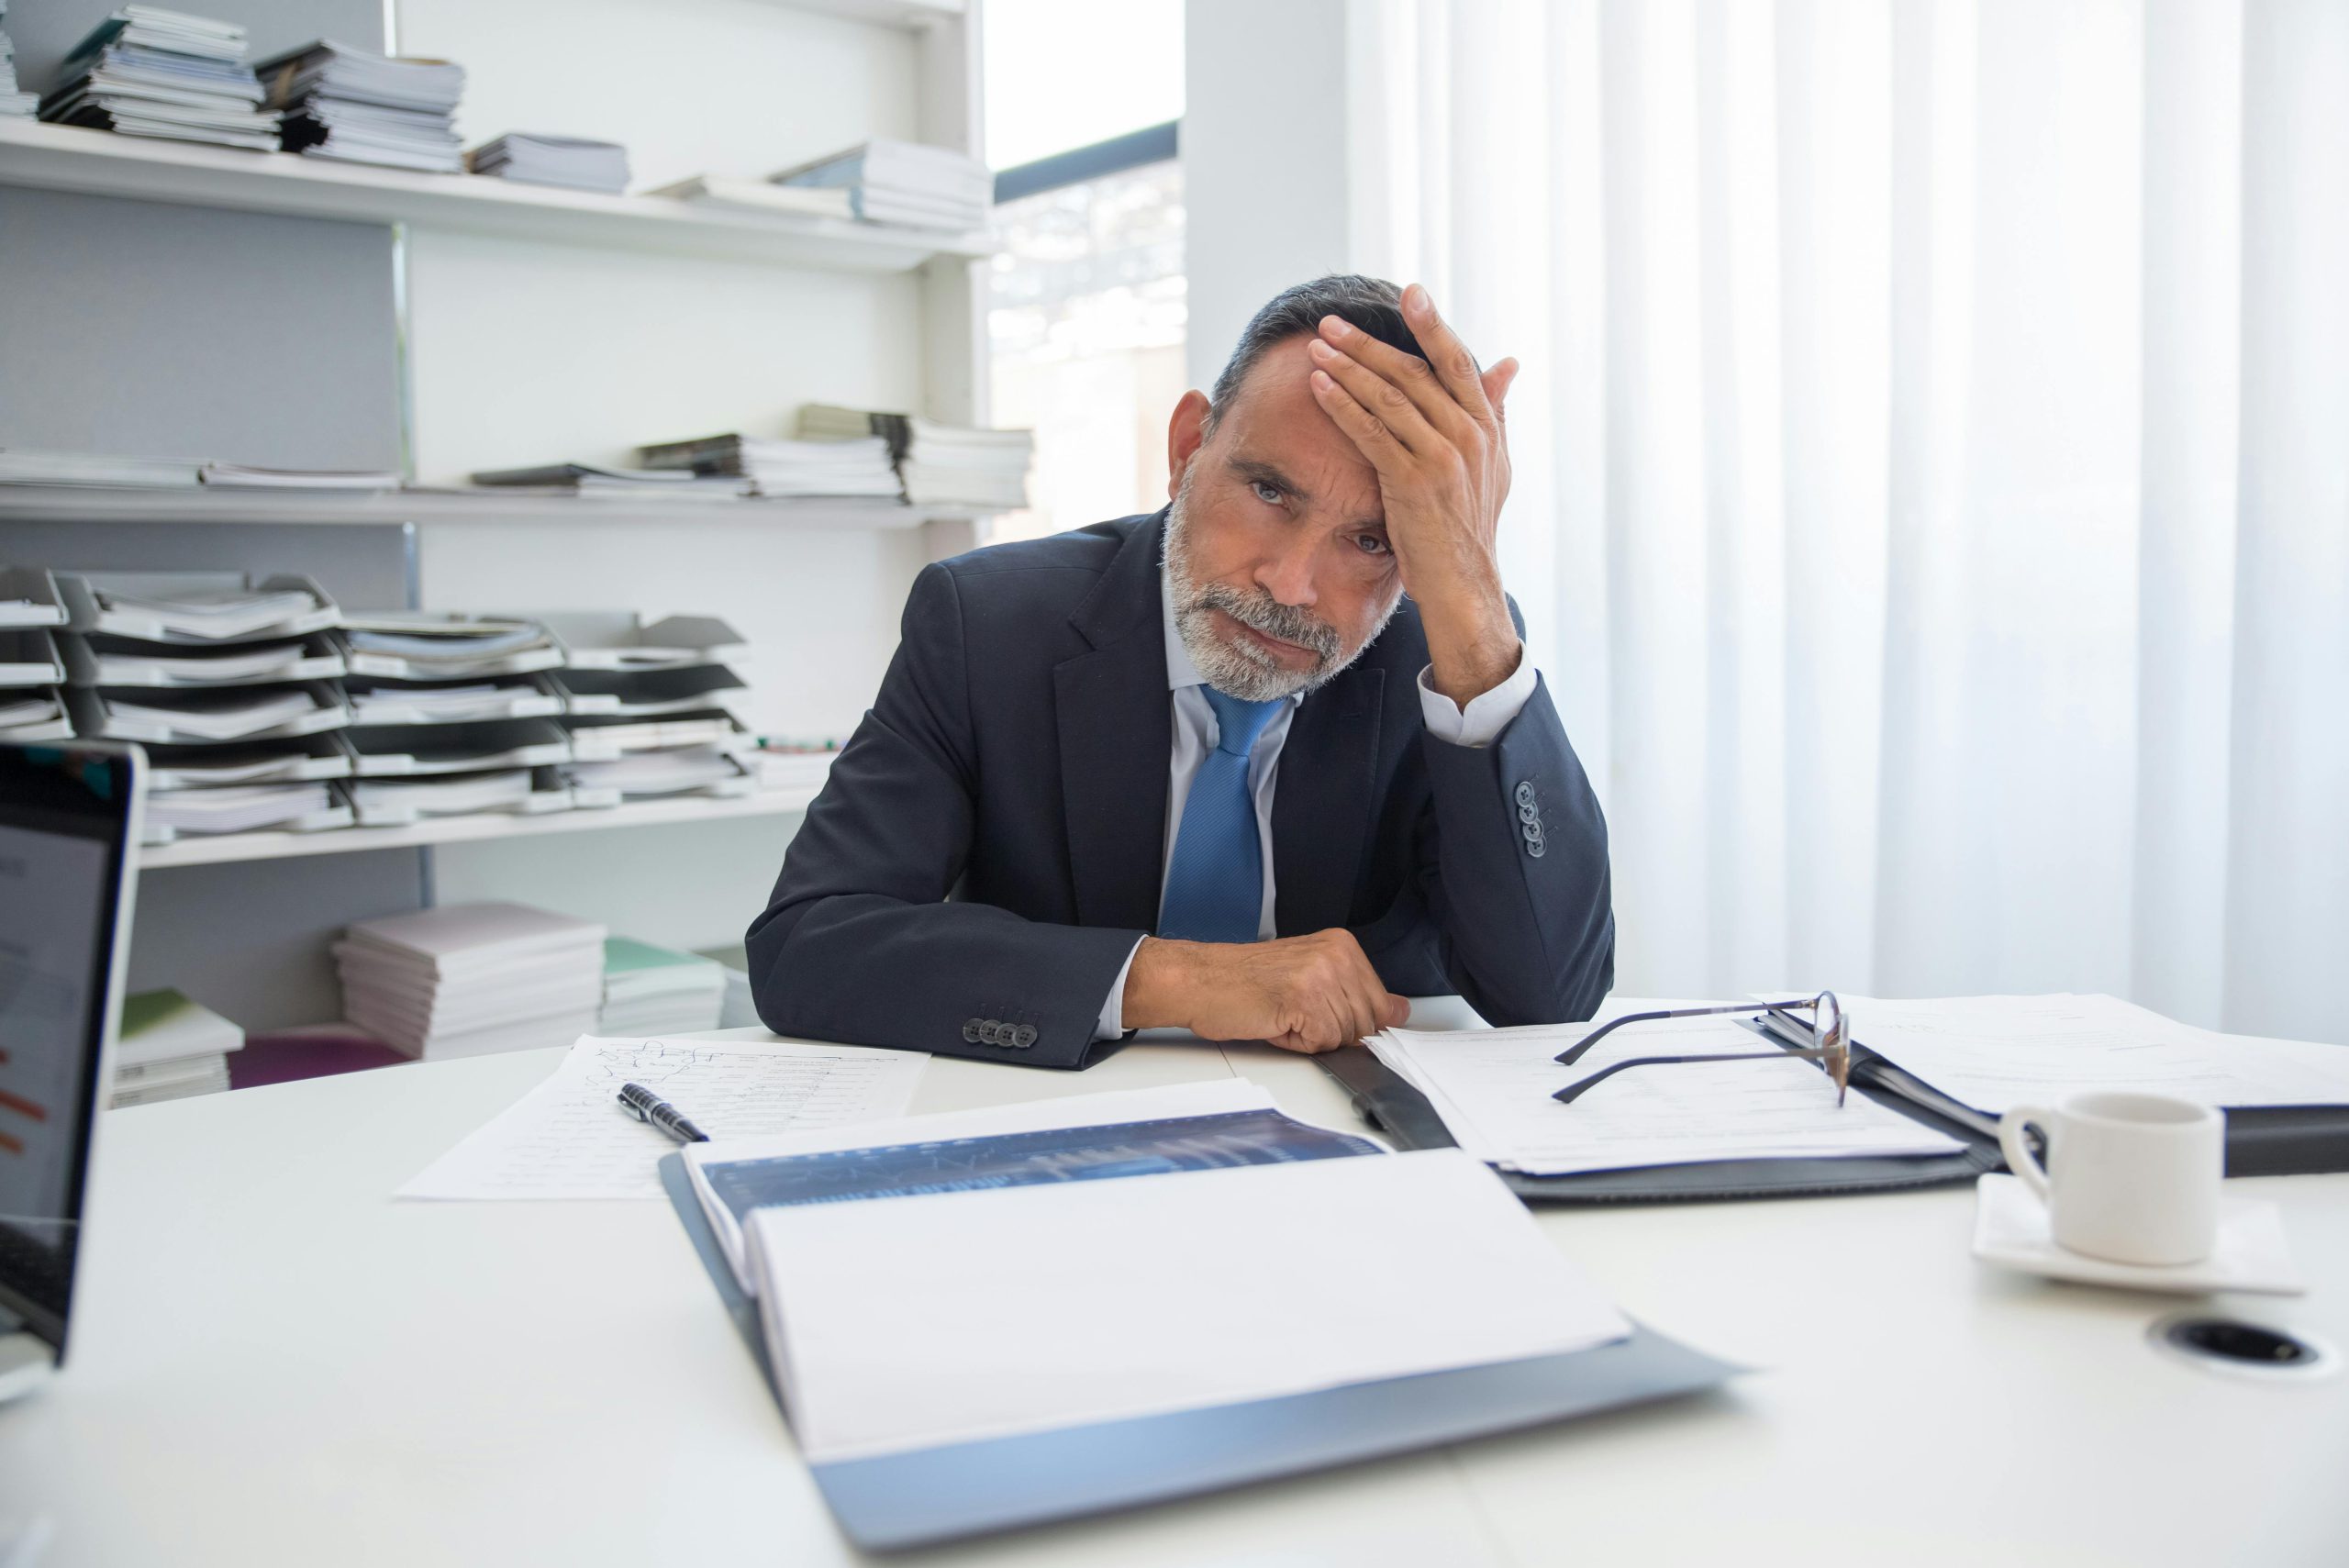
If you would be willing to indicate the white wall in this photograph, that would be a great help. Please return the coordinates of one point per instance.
(524, 353)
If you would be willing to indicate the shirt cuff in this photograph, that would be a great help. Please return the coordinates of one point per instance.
(1112, 1022)
(1481, 723)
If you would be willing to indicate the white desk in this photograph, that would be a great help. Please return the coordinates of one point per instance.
(275, 1363)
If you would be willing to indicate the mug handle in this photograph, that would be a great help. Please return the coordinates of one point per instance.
(2017, 1152)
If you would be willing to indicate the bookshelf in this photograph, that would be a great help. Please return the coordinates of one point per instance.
(70, 502)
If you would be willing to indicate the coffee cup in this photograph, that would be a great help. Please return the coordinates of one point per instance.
(2131, 1178)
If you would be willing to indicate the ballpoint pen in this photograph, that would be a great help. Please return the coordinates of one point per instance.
(645, 1106)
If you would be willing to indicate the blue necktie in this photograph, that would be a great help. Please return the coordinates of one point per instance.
(1215, 884)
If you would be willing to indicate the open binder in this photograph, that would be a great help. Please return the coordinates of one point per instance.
(927, 1496)
(2281, 1141)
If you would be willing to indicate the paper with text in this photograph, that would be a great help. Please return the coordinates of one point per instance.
(1493, 1089)
(569, 1138)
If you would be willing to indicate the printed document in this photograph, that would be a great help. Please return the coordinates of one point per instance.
(569, 1138)
(911, 1322)
(1996, 1052)
(1494, 1087)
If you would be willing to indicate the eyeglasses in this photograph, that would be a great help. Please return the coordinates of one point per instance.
(1829, 1033)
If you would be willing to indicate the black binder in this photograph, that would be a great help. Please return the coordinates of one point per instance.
(928, 1496)
(2283, 1141)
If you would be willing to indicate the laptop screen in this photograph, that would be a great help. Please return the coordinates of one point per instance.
(64, 820)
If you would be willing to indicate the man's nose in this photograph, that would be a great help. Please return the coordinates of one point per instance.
(1287, 574)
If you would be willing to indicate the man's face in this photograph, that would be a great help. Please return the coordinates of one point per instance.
(1277, 561)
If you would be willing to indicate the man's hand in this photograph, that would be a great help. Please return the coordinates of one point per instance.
(1433, 429)
(1308, 994)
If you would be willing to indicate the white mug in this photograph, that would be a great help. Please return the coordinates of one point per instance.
(2129, 1178)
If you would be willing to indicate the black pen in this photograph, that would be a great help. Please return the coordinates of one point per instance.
(645, 1106)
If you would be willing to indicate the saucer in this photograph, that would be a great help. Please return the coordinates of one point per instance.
(2011, 1229)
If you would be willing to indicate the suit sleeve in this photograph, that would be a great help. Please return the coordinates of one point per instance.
(859, 942)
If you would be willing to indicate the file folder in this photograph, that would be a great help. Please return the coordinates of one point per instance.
(928, 1496)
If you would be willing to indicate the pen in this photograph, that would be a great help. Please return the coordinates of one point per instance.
(645, 1106)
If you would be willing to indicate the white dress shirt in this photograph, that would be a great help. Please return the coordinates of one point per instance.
(1480, 724)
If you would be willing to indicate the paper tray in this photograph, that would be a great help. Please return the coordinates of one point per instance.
(94, 717)
(400, 751)
(292, 761)
(28, 657)
(549, 792)
(976, 1488)
(135, 662)
(28, 597)
(85, 613)
(58, 726)
(533, 697)
(619, 640)
(600, 738)
(548, 655)
(648, 693)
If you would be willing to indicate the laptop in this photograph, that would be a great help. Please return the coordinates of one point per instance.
(69, 855)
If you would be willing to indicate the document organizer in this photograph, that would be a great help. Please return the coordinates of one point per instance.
(2281, 1141)
(929, 1496)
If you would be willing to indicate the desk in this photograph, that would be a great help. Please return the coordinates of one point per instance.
(275, 1363)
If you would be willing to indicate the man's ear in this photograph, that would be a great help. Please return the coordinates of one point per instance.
(1185, 432)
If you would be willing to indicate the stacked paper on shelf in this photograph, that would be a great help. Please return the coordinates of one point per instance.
(644, 693)
(759, 195)
(14, 104)
(408, 702)
(417, 647)
(365, 107)
(738, 1011)
(613, 640)
(100, 659)
(194, 609)
(245, 476)
(231, 713)
(171, 1048)
(274, 762)
(406, 751)
(472, 978)
(145, 72)
(904, 182)
(37, 714)
(540, 159)
(28, 657)
(28, 598)
(938, 464)
(651, 990)
(382, 802)
(825, 466)
(20, 466)
(585, 479)
(786, 765)
(239, 809)
(639, 773)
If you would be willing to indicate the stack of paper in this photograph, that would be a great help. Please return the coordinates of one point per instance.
(364, 107)
(375, 702)
(784, 764)
(181, 715)
(641, 774)
(413, 646)
(472, 978)
(759, 195)
(1494, 1087)
(285, 761)
(938, 464)
(101, 659)
(651, 990)
(145, 72)
(825, 466)
(904, 182)
(241, 809)
(540, 160)
(171, 1048)
(388, 802)
(737, 1010)
(590, 480)
(20, 466)
(245, 476)
(35, 714)
(14, 104)
(196, 609)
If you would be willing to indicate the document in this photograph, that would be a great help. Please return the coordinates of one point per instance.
(569, 1138)
(910, 1322)
(1996, 1052)
(1494, 1087)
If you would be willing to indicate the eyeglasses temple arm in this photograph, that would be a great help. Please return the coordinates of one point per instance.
(1573, 1091)
(1580, 1048)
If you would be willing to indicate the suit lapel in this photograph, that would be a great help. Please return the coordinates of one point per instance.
(1117, 740)
(1321, 802)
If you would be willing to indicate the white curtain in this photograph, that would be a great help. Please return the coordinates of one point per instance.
(1932, 469)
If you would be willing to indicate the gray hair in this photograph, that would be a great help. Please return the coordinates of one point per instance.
(1372, 304)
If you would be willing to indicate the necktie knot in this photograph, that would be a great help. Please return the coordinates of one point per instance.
(1237, 722)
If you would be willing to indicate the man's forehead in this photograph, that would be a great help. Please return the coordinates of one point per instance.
(1275, 420)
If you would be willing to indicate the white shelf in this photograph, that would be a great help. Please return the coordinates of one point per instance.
(197, 504)
(911, 14)
(104, 163)
(222, 849)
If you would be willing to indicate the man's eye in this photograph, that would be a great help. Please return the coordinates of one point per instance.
(1371, 544)
(1266, 492)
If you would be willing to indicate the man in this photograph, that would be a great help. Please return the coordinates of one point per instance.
(1211, 768)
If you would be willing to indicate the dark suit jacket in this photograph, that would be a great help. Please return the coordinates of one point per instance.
(989, 847)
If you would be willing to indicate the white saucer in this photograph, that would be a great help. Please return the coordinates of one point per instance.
(2010, 1230)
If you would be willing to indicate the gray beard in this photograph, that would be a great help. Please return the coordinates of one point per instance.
(1244, 670)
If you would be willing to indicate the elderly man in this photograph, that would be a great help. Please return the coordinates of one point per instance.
(1256, 765)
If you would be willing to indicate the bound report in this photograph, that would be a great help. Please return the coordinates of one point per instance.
(1182, 1270)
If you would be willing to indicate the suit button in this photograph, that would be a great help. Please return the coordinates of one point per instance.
(1023, 1037)
(1529, 814)
(991, 1031)
(1533, 846)
(971, 1031)
(1525, 792)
